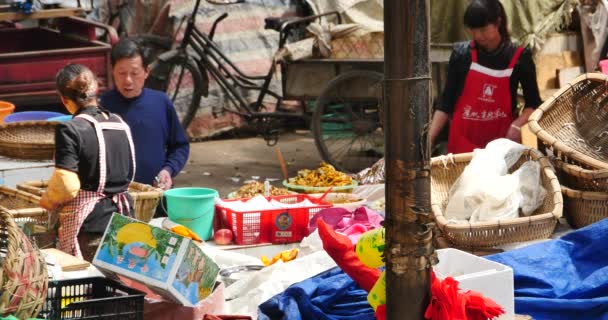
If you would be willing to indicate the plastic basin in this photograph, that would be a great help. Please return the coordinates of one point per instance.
(31, 116)
(6, 108)
(61, 118)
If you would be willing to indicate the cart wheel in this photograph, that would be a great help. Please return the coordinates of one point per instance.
(181, 79)
(347, 123)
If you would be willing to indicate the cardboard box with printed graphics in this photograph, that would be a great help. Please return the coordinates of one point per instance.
(169, 264)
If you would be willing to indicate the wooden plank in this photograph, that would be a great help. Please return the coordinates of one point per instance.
(41, 14)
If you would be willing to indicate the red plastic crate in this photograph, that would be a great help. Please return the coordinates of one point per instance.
(275, 226)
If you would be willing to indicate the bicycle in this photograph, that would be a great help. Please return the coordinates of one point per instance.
(340, 115)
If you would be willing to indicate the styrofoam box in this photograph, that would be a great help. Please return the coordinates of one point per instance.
(492, 279)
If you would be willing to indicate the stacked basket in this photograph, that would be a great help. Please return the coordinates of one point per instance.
(23, 274)
(145, 197)
(485, 235)
(33, 140)
(572, 126)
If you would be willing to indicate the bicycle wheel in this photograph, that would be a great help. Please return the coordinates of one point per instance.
(181, 79)
(347, 121)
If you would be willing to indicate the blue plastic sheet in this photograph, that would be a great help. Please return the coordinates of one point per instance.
(331, 295)
(565, 278)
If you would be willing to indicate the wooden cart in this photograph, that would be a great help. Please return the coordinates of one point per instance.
(31, 57)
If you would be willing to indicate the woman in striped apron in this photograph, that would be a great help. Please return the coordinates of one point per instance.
(94, 165)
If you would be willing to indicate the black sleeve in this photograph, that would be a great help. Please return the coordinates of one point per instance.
(455, 80)
(66, 147)
(527, 70)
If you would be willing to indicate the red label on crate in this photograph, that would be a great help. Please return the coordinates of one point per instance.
(283, 221)
(283, 234)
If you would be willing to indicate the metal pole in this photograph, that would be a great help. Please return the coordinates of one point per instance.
(409, 250)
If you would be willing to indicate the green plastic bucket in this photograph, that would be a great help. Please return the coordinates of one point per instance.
(193, 208)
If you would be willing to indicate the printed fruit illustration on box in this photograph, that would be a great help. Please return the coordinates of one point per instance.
(139, 248)
(195, 277)
(167, 263)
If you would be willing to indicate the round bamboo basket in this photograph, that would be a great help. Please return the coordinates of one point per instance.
(23, 274)
(145, 197)
(34, 140)
(580, 178)
(571, 122)
(540, 225)
(582, 208)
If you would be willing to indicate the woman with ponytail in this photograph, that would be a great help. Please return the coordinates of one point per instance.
(94, 165)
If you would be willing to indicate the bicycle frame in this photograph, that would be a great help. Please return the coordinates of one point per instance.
(229, 76)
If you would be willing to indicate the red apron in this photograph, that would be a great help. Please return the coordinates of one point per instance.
(74, 212)
(483, 111)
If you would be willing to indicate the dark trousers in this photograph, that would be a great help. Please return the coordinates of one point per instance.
(161, 211)
(88, 242)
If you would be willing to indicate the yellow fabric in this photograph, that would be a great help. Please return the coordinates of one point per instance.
(63, 187)
(181, 230)
(185, 232)
(284, 256)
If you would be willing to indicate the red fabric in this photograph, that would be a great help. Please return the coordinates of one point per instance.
(448, 303)
(381, 312)
(342, 251)
(483, 111)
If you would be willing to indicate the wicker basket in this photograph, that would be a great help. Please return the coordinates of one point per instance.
(23, 274)
(556, 126)
(540, 225)
(582, 208)
(29, 216)
(145, 197)
(574, 176)
(28, 140)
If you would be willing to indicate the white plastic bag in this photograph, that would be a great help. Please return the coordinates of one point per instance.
(485, 168)
(496, 198)
(530, 187)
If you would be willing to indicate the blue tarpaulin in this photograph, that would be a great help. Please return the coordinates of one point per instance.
(558, 279)
(331, 295)
(565, 278)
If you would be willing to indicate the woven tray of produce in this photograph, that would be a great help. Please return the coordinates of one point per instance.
(33, 140)
(320, 180)
(250, 190)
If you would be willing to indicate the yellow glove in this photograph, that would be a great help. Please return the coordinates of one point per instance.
(181, 230)
(64, 186)
(284, 256)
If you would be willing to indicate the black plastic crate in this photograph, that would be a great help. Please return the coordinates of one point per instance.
(92, 298)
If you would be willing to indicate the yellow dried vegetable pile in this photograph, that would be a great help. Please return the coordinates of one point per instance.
(324, 176)
(253, 189)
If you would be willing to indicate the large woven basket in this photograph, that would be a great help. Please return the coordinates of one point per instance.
(582, 208)
(557, 122)
(33, 140)
(540, 225)
(23, 274)
(574, 176)
(29, 216)
(145, 197)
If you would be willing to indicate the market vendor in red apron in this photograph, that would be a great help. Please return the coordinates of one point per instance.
(94, 165)
(480, 95)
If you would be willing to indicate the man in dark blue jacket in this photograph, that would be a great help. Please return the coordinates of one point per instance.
(161, 146)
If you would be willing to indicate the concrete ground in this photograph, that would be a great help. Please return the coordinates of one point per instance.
(226, 164)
